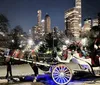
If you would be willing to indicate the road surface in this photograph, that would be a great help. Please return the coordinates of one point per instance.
(25, 69)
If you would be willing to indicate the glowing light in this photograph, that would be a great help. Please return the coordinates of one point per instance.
(80, 24)
(42, 20)
(30, 42)
(20, 46)
(12, 41)
(41, 43)
(2, 33)
(21, 35)
(67, 41)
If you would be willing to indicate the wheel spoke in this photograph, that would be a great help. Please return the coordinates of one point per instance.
(56, 70)
(56, 76)
(68, 77)
(61, 80)
(65, 79)
(67, 72)
(64, 69)
(58, 79)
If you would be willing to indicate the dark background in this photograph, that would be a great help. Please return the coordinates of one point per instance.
(24, 12)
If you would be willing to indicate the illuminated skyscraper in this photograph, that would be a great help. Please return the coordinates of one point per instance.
(39, 17)
(43, 24)
(73, 20)
(87, 24)
(47, 24)
(38, 30)
(39, 24)
(95, 22)
(78, 8)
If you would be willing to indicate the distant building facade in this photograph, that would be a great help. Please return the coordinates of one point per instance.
(87, 24)
(38, 30)
(95, 22)
(47, 24)
(73, 20)
(39, 13)
(78, 8)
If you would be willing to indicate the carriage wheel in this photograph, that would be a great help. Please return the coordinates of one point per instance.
(61, 74)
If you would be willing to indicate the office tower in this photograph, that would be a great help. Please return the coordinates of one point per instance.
(87, 24)
(39, 17)
(47, 24)
(42, 24)
(78, 8)
(95, 22)
(72, 22)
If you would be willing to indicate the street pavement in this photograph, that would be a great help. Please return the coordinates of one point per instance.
(39, 83)
(17, 70)
(25, 69)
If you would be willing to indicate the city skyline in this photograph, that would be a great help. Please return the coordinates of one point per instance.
(24, 12)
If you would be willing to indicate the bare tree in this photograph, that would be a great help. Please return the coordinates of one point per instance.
(4, 23)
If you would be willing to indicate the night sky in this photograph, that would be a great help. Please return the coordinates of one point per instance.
(24, 12)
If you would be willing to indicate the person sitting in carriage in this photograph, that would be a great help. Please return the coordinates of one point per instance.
(97, 52)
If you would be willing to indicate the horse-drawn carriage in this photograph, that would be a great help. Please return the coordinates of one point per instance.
(51, 59)
(59, 69)
(53, 62)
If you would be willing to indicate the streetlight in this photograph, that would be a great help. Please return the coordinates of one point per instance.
(67, 41)
(30, 42)
(12, 41)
